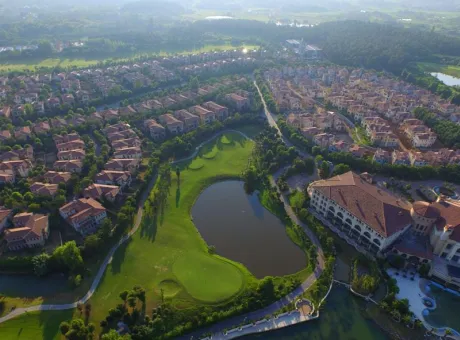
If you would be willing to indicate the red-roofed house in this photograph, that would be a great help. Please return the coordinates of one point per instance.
(84, 215)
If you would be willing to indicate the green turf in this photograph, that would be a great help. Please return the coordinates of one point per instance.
(197, 164)
(199, 272)
(225, 140)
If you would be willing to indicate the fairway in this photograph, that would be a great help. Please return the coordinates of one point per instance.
(199, 274)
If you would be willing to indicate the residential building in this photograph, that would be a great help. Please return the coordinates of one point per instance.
(191, 121)
(30, 231)
(323, 140)
(19, 168)
(55, 177)
(157, 132)
(84, 215)
(206, 116)
(382, 156)
(102, 191)
(120, 178)
(173, 125)
(132, 152)
(72, 166)
(220, 111)
(130, 165)
(44, 189)
(5, 216)
(71, 155)
(239, 102)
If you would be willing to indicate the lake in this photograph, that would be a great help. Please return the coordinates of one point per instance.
(242, 230)
(446, 79)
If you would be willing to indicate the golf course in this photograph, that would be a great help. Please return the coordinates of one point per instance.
(167, 256)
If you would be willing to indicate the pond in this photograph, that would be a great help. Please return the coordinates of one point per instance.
(241, 229)
(443, 315)
(343, 317)
(446, 79)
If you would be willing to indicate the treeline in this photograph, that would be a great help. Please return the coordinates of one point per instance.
(450, 173)
(415, 75)
(354, 43)
(448, 132)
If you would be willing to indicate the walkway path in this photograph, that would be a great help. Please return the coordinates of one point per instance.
(108, 258)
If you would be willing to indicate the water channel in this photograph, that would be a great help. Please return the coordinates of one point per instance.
(343, 317)
(446, 79)
(242, 230)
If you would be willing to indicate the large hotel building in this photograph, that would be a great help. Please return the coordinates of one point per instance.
(380, 223)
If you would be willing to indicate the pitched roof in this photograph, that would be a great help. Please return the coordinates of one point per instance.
(450, 217)
(32, 226)
(380, 210)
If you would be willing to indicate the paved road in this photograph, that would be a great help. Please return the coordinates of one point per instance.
(272, 123)
(108, 258)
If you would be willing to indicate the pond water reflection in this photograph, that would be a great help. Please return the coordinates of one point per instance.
(242, 230)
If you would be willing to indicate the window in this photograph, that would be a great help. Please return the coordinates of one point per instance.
(455, 258)
(449, 246)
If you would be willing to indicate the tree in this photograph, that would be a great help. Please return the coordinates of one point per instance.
(132, 301)
(140, 293)
(324, 170)
(340, 169)
(194, 83)
(113, 335)
(124, 295)
(40, 263)
(178, 175)
(69, 256)
(28, 109)
(64, 327)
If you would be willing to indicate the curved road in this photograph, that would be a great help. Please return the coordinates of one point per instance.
(108, 258)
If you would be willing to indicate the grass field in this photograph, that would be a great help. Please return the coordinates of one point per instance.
(446, 69)
(81, 63)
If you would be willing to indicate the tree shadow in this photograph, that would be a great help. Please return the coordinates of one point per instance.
(49, 322)
(149, 227)
(119, 257)
(177, 196)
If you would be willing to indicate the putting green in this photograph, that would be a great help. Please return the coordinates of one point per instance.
(211, 154)
(199, 273)
(225, 140)
(170, 288)
(197, 164)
